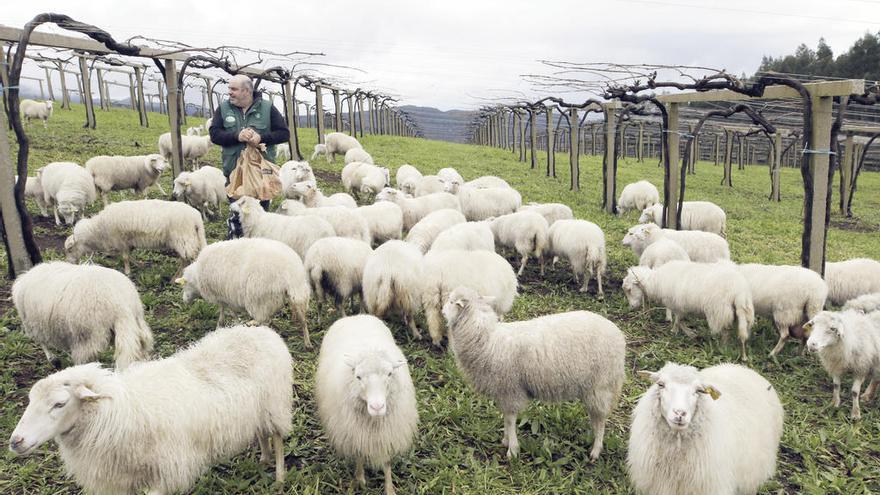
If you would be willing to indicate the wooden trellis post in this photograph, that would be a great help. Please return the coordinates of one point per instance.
(142, 105)
(846, 172)
(174, 117)
(551, 141)
(101, 97)
(727, 180)
(319, 113)
(290, 112)
(86, 93)
(573, 157)
(717, 149)
(739, 155)
(670, 188)
(609, 173)
(775, 165)
(49, 84)
(640, 152)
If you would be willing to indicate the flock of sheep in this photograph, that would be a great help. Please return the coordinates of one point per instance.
(710, 431)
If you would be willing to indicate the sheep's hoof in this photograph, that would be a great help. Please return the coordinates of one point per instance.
(252, 323)
(513, 452)
(856, 415)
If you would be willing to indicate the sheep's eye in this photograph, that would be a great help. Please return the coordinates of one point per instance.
(661, 385)
(358, 377)
(58, 405)
(389, 373)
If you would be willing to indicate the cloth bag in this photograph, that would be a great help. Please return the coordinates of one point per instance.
(254, 176)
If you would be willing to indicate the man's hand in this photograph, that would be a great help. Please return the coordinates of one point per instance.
(254, 138)
(245, 135)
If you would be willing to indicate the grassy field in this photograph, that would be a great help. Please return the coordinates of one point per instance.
(458, 449)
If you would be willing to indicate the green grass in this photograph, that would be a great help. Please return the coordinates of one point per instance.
(458, 449)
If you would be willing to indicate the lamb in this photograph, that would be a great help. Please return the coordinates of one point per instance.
(468, 236)
(195, 131)
(204, 189)
(851, 278)
(338, 143)
(312, 197)
(297, 232)
(480, 204)
(414, 209)
(34, 190)
(365, 395)
(407, 178)
(392, 281)
(194, 147)
(695, 215)
(847, 341)
(637, 196)
(77, 308)
(423, 233)
(68, 188)
(114, 173)
(582, 243)
(429, 184)
(661, 252)
(702, 247)
(867, 303)
(385, 220)
(449, 174)
(282, 152)
(292, 172)
(336, 265)
(371, 179)
(550, 211)
(577, 355)
(266, 275)
(483, 271)
(31, 109)
(145, 223)
(717, 291)
(349, 177)
(714, 431)
(320, 149)
(346, 222)
(358, 155)
(790, 295)
(159, 426)
(524, 231)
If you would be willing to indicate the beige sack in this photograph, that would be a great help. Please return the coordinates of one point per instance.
(254, 176)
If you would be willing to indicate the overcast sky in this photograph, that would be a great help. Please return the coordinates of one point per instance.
(452, 53)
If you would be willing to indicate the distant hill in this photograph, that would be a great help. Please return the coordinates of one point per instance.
(451, 125)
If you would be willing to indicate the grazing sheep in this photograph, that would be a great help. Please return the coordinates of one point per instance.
(337, 143)
(709, 432)
(346, 222)
(426, 185)
(848, 341)
(695, 215)
(68, 188)
(851, 278)
(365, 395)
(790, 295)
(146, 224)
(483, 271)
(370, 179)
(34, 190)
(480, 204)
(320, 149)
(407, 178)
(582, 243)
(449, 174)
(194, 147)
(349, 176)
(637, 196)
(297, 232)
(487, 181)
(468, 236)
(577, 355)
(204, 189)
(282, 152)
(160, 425)
(524, 231)
(267, 275)
(336, 265)
(867, 303)
(312, 197)
(392, 281)
(292, 172)
(114, 173)
(415, 209)
(31, 109)
(77, 308)
(661, 252)
(358, 155)
(702, 247)
(550, 211)
(423, 233)
(717, 291)
(385, 220)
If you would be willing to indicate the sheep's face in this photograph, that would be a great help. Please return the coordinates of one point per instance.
(633, 289)
(303, 188)
(373, 374)
(639, 235)
(188, 282)
(68, 211)
(291, 207)
(460, 298)
(388, 194)
(825, 330)
(156, 162)
(245, 207)
(182, 185)
(452, 186)
(301, 171)
(647, 215)
(678, 391)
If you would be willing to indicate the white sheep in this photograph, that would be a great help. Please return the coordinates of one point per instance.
(582, 244)
(115, 173)
(204, 189)
(68, 188)
(524, 231)
(423, 233)
(385, 220)
(407, 177)
(695, 215)
(195, 131)
(346, 222)
(158, 426)
(320, 149)
(31, 109)
(851, 278)
(78, 308)
(428, 184)
(714, 431)
(336, 265)
(145, 223)
(637, 196)
(479, 204)
(311, 196)
(194, 147)
(789, 295)
(34, 190)
(468, 236)
(365, 395)
(337, 143)
(485, 272)
(487, 181)
(716, 291)
(449, 174)
(292, 172)
(415, 209)
(267, 275)
(866, 303)
(702, 247)
(848, 341)
(577, 355)
(392, 282)
(370, 179)
(297, 232)
(358, 155)
(550, 211)
(282, 152)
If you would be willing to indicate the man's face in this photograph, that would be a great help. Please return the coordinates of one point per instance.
(239, 94)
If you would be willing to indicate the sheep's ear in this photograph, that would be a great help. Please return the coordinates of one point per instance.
(710, 390)
(349, 361)
(187, 183)
(84, 393)
(245, 209)
(651, 376)
(398, 363)
(808, 328)
(459, 302)
(180, 281)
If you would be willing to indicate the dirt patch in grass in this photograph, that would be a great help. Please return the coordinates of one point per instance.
(328, 177)
(853, 224)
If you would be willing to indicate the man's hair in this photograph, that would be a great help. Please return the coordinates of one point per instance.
(246, 81)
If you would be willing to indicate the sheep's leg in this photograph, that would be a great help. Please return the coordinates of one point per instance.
(55, 211)
(155, 491)
(541, 261)
(510, 435)
(599, 284)
(835, 400)
(126, 262)
(300, 312)
(180, 266)
(265, 449)
(435, 325)
(104, 198)
(668, 315)
(872, 388)
(340, 308)
(598, 423)
(161, 189)
(280, 468)
(522, 265)
(411, 324)
(220, 317)
(359, 477)
(584, 287)
(389, 484)
(855, 392)
(53, 359)
(783, 336)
